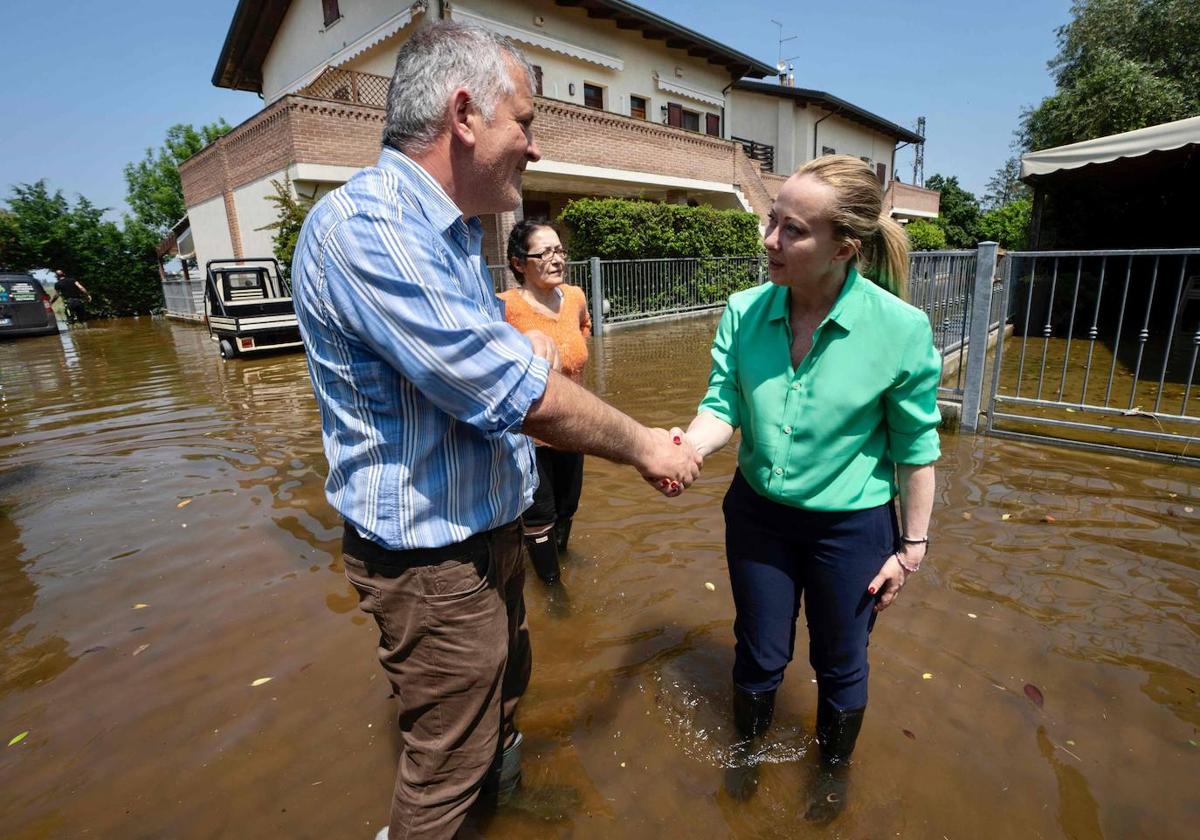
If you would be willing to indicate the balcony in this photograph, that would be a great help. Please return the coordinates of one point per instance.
(760, 152)
(905, 201)
(338, 85)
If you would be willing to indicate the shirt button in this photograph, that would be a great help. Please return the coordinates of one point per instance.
(795, 386)
(787, 430)
(779, 471)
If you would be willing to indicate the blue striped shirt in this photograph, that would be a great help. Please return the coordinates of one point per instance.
(422, 386)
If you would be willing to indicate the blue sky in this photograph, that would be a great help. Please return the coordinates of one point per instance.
(89, 85)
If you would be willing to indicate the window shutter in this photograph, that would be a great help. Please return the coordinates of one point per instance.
(331, 10)
(881, 172)
(674, 115)
(712, 125)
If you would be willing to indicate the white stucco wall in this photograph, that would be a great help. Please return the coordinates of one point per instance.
(303, 46)
(254, 211)
(210, 230)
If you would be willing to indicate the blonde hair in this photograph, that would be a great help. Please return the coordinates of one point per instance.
(880, 244)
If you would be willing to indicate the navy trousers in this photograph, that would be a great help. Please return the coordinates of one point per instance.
(780, 555)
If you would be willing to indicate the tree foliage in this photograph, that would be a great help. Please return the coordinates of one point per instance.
(153, 188)
(293, 210)
(1007, 224)
(1005, 186)
(615, 228)
(1121, 65)
(925, 236)
(958, 216)
(41, 229)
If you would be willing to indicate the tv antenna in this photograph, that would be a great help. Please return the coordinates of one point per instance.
(781, 64)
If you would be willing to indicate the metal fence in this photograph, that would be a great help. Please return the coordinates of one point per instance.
(1104, 350)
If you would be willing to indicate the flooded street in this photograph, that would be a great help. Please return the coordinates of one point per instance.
(165, 543)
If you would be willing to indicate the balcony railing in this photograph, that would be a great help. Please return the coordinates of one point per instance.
(349, 86)
(760, 152)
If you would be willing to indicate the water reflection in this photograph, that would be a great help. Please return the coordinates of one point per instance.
(164, 542)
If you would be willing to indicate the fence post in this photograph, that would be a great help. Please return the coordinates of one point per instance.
(597, 298)
(977, 334)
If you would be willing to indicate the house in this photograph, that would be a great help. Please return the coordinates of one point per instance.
(629, 104)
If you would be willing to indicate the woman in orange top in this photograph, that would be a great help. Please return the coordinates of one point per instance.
(543, 301)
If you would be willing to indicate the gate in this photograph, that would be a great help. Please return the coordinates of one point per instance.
(1103, 351)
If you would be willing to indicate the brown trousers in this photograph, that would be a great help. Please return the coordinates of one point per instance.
(455, 645)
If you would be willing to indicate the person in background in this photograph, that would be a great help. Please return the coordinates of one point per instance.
(544, 301)
(73, 294)
(832, 379)
(426, 396)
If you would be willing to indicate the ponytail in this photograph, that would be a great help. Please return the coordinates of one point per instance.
(889, 258)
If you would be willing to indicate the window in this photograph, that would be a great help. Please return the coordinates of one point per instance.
(712, 125)
(332, 13)
(593, 96)
(691, 120)
(881, 172)
(537, 79)
(828, 150)
(637, 107)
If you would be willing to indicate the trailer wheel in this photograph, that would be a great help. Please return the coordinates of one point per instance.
(227, 351)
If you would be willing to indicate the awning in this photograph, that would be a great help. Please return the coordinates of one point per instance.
(1131, 144)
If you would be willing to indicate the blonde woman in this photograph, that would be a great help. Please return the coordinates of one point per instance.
(832, 379)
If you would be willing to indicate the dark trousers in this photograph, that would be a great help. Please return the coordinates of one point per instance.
(560, 481)
(455, 646)
(779, 555)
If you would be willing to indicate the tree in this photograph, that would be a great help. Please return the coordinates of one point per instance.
(153, 189)
(40, 229)
(958, 216)
(1007, 224)
(1121, 65)
(293, 210)
(925, 236)
(1005, 186)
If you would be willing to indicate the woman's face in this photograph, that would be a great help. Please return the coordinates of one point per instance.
(800, 243)
(549, 271)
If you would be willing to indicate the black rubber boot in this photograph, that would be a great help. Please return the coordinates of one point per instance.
(544, 555)
(504, 776)
(752, 715)
(837, 731)
(562, 533)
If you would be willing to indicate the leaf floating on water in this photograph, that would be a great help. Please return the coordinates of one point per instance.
(1049, 518)
(972, 615)
(967, 515)
(1006, 516)
(927, 676)
(260, 681)
(16, 739)
(710, 586)
(140, 606)
(184, 503)
(1070, 743)
(94, 649)
(908, 734)
(140, 649)
(1189, 509)
(1034, 694)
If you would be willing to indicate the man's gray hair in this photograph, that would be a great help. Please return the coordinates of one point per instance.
(439, 58)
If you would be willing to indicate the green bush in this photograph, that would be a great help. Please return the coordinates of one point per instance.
(293, 210)
(619, 229)
(1007, 224)
(925, 236)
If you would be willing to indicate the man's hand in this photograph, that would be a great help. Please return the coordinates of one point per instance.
(544, 346)
(669, 462)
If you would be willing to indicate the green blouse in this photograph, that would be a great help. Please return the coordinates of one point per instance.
(827, 436)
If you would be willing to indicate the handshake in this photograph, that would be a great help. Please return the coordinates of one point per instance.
(669, 461)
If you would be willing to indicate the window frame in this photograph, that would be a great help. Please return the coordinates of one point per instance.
(595, 87)
(645, 100)
(331, 12)
(684, 120)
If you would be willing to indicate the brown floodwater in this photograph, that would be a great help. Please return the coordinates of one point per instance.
(165, 542)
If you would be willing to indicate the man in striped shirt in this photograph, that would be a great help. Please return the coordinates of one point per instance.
(426, 396)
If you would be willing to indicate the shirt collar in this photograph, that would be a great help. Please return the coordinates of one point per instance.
(429, 195)
(845, 309)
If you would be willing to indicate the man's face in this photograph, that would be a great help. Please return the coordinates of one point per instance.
(503, 147)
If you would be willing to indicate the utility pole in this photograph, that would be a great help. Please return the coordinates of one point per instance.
(919, 155)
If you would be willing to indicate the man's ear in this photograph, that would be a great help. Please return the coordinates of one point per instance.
(463, 117)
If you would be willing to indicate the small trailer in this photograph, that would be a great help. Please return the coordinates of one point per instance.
(248, 306)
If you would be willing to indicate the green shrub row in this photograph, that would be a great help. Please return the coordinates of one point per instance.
(619, 229)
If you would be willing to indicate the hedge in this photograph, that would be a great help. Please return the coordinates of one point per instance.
(620, 229)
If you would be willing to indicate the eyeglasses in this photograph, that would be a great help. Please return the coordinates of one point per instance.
(557, 251)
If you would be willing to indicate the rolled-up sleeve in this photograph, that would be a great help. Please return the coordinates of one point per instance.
(398, 295)
(723, 397)
(910, 403)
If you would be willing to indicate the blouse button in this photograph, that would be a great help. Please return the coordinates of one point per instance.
(779, 471)
(787, 430)
(795, 386)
